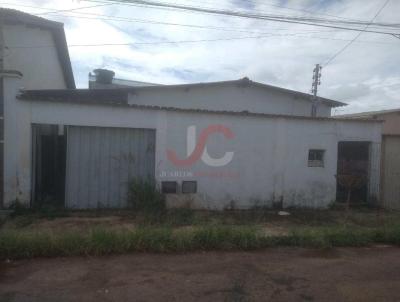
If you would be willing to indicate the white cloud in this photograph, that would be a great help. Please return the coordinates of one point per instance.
(366, 75)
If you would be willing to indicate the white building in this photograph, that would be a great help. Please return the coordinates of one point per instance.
(233, 144)
(246, 159)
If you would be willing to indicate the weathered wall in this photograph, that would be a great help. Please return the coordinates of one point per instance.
(269, 161)
(229, 97)
(32, 51)
(391, 172)
(17, 143)
(391, 125)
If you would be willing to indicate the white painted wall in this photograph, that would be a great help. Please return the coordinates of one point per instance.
(39, 65)
(270, 154)
(228, 97)
(17, 143)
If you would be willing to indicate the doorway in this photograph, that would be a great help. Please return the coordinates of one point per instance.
(48, 161)
(353, 166)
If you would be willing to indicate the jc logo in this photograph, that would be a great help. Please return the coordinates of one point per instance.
(196, 151)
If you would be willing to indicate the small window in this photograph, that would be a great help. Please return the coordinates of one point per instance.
(316, 158)
(189, 187)
(169, 187)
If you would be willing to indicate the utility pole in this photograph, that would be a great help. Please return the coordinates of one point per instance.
(314, 89)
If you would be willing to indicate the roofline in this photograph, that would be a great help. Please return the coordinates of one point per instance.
(241, 82)
(244, 82)
(64, 57)
(58, 33)
(124, 103)
(369, 113)
(333, 103)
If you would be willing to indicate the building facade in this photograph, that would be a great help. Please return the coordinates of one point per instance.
(200, 158)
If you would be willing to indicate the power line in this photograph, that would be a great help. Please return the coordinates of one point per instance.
(307, 11)
(176, 42)
(167, 23)
(285, 19)
(135, 20)
(155, 22)
(111, 18)
(73, 9)
(145, 43)
(264, 4)
(356, 37)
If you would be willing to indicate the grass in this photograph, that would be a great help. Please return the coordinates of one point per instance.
(185, 230)
(25, 244)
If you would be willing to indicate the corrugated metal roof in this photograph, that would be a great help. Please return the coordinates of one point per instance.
(66, 95)
(94, 96)
(369, 114)
(119, 97)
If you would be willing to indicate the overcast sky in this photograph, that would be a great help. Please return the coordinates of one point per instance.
(366, 75)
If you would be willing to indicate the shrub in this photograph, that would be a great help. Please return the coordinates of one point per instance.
(144, 196)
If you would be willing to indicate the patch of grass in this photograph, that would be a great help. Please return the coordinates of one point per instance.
(23, 244)
(181, 217)
(47, 211)
(23, 221)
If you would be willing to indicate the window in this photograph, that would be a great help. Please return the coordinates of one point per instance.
(169, 187)
(189, 187)
(316, 158)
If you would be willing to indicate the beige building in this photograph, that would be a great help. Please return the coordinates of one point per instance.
(390, 172)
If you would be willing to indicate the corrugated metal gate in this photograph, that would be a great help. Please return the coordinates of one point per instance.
(100, 162)
(391, 172)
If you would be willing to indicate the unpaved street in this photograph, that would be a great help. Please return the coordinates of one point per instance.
(365, 274)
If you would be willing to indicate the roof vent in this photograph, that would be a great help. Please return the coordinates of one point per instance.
(104, 76)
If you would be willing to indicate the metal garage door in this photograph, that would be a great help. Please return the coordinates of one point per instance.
(100, 161)
(391, 172)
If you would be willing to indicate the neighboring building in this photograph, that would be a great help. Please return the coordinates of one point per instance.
(37, 48)
(390, 176)
(241, 95)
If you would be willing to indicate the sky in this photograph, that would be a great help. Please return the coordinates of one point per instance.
(366, 75)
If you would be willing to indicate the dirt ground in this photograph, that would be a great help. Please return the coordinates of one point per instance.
(280, 274)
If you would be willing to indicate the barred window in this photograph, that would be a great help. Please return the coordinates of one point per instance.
(316, 158)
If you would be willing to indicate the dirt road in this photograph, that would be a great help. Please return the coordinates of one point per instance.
(365, 274)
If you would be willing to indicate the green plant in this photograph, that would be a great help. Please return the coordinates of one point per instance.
(163, 239)
(23, 221)
(144, 196)
(19, 208)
